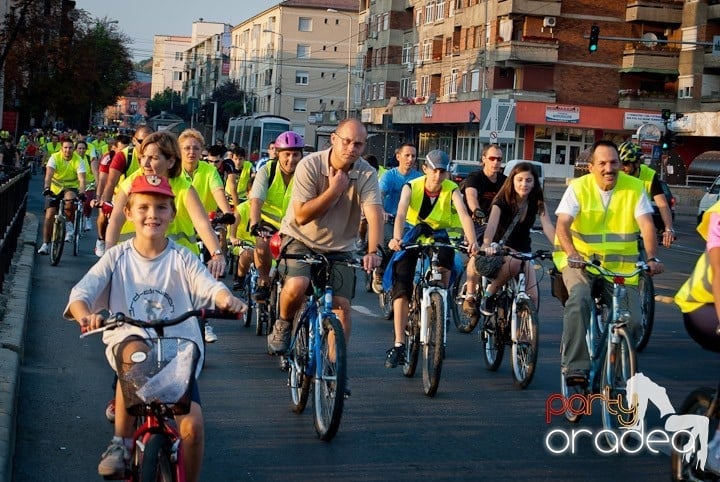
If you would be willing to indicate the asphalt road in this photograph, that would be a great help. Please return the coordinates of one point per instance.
(478, 427)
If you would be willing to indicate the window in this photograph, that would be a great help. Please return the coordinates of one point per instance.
(305, 24)
(299, 105)
(303, 51)
(440, 11)
(386, 21)
(427, 49)
(429, 12)
(381, 90)
(425, 85)
(407, 53)
(301, 77)
(405, 87)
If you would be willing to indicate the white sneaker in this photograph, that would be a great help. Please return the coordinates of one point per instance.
(44, 249)
(210, 336)
(69, 231)
(99, 248)
(88, 224)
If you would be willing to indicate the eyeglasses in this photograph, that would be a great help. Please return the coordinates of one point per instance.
(494, 158)
(349, 142)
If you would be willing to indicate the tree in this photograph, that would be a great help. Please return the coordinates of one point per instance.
(165, 101)
(231, 102)
(57, 70)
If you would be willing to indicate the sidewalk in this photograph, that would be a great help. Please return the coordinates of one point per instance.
(13, 315)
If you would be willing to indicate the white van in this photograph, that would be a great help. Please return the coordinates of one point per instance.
(537, 167)
(709, 198)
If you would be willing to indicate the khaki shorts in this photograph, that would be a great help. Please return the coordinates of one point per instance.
(342, 277)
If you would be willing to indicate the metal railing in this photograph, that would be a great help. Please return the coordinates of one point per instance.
(13, 204)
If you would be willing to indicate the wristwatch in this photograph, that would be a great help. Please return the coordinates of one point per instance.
(216, 252)
(656, 260)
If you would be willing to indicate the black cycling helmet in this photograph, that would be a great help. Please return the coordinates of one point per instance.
(630, 152)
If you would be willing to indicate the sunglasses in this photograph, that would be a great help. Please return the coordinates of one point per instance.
(494, 158)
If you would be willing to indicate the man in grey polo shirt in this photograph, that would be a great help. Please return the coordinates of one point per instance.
(331, 188)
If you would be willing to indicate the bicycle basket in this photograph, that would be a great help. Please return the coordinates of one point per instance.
(156, 371)
(557, 286)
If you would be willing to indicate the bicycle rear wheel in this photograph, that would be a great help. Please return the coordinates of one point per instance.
(78, 224)
(524, 350)
(434, 347)
(697, 403)
(463, 322)
(298, 377)
(330, 378)
(57, 242)
(492, 340)
(646, 290)
(619, 366)
(156, 465)
(412, 340)
(386, 304)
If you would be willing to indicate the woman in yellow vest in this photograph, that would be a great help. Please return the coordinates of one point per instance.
(160, 155)
(434, 201)
(520, 196)
(701, 312)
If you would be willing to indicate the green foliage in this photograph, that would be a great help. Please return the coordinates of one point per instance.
(63, 71)
(165, 102)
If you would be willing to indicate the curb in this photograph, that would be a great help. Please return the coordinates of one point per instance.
(12, 337)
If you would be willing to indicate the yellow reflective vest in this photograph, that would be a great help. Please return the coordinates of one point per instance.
(609, 234)
(278, 195)
(697, 290)
(65, 176)
(443, 214)
(646, 175)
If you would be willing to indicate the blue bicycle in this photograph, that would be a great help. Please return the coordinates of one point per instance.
(317, 351)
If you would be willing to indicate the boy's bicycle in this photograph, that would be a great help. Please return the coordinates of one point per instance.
(514, 322)
(317, 352)
(427, 317)
(612, 355)
(156, 376)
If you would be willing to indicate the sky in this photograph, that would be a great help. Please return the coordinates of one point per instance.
(141, 20)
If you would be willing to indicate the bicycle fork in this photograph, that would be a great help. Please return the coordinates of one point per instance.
(424, 312)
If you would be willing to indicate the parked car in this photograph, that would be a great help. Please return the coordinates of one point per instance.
(459, 170)
(537, 167)
(657, 219)
(709, 198)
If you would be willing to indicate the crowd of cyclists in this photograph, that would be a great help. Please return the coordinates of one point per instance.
(317, 203)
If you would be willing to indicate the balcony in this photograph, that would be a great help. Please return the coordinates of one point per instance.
(527, 95)
(658, 59)
(711, 61)
(713, 11)
(550, 8)
(530, 49)
(665, 11)
(635, 99)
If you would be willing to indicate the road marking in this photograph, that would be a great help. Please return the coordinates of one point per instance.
(363, 310)
(668, 300)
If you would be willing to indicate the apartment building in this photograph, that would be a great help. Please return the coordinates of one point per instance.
(459, 74)
(297, 59)
(169, 62)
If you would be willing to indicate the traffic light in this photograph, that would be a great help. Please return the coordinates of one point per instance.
(666, 114)
(667, 141)
(594, 37)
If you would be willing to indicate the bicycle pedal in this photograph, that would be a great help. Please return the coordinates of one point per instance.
(284, 363)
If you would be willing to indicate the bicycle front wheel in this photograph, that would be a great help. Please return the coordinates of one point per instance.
(524, 350)
(330, 378)
(299, 378)
(434, 347)
(646, 290)
(619, 366)
(686, 468)
(156, 465)
(412, 342)
(492, 340)
(57, 242)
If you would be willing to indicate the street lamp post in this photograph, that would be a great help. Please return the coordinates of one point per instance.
(172, 87)
(349, 71)
(278, 65)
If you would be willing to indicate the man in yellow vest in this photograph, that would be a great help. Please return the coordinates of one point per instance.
(269, 199)
(599, 216)
(64, 179)
(631, 157)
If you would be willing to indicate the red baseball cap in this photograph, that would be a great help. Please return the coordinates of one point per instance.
(151, 184)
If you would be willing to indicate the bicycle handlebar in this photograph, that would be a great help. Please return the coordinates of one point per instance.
(436, 244)
(226, 218)
(640, 267)
(317, 258)
(539, 254)
(118, 319)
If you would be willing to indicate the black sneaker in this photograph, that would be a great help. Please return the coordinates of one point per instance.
(395, 356)
(262, 294)
(487, 305)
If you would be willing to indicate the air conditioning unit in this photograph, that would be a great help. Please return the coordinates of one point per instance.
(410, 66)
(373, 34)
(549, 22)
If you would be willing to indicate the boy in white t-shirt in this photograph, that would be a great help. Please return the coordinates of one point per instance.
(149, 277)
